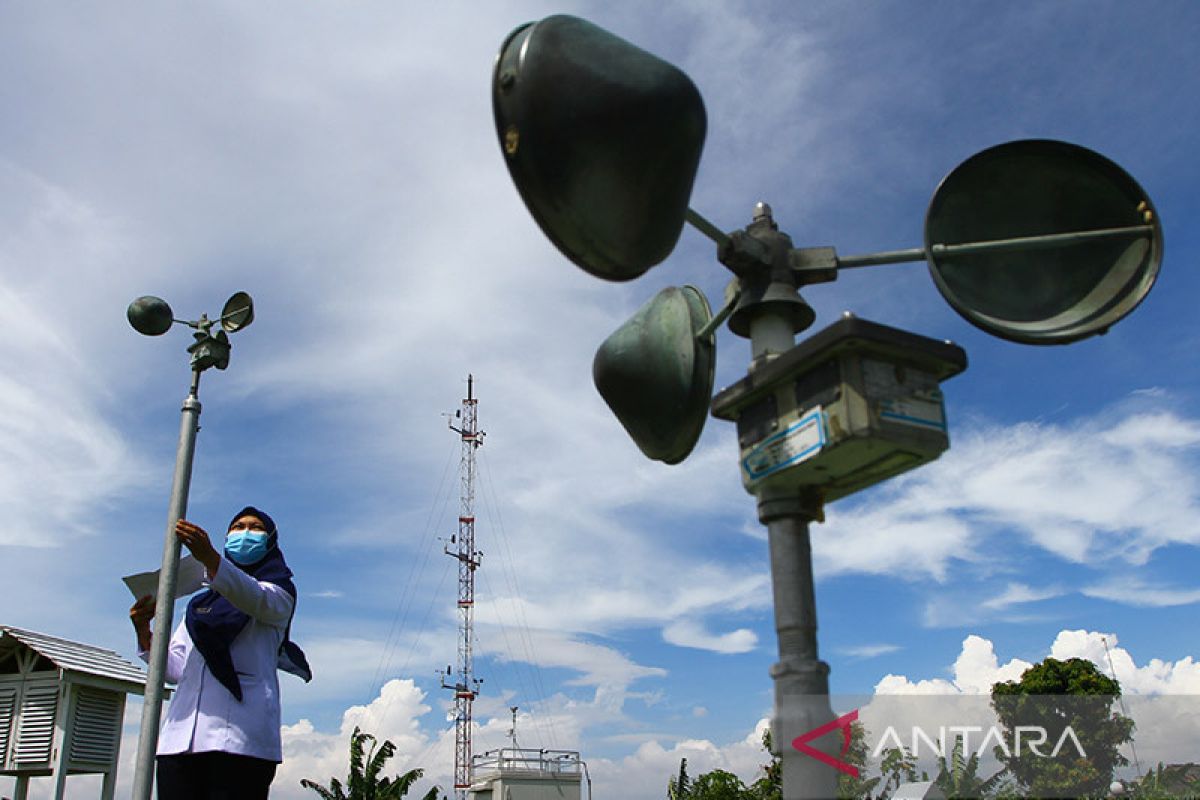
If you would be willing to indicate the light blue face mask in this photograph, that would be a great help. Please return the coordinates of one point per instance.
(246, 547)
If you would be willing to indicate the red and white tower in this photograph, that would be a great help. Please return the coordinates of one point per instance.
(464, 685)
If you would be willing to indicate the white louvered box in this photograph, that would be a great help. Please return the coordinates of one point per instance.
(61, 708)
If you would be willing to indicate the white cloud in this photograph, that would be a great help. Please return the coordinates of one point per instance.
(1137, 591)
(644, 773)
(63, 460)
(605, 668)
(977, 668)
(963, 607)
(1018, 594)
(1119, 485)
(889, 539)
(347, 666)
(687, 633)
(395, 715)
(1155, 677)
(974, 672)
(869, 650)
(1162, 697)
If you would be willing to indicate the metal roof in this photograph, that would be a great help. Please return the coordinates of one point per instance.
(76, 657)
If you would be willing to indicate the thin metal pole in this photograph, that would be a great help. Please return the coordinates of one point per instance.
(886, 257)
(1040, 242)
(143, 778)
(993, 246)
(723, 314)
(801, 678)
(1137, 765)
(707, 228)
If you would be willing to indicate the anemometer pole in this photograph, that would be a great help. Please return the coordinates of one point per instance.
(464, 685)
(143, 777)
(770, 312)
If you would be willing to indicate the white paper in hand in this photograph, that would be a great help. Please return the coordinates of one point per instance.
(189, 578)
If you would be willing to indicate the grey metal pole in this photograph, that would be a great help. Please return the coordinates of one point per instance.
(1046, 241)
(801, 678)
(143, 778)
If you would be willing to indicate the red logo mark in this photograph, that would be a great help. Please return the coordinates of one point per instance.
(843, 722)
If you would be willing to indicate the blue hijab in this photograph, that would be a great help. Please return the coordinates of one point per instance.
(213, 622)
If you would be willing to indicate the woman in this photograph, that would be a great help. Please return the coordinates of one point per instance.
(220, 738)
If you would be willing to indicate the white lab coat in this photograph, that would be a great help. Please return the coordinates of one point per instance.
(203, 716)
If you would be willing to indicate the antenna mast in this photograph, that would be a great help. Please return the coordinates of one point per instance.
(464, 685)
(512, 732)
(1121, 699)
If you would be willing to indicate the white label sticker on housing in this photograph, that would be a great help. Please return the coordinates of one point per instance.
(904, 395)
(800, 441)
(923, 412)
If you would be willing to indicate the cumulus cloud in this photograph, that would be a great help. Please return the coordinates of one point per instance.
(974, 672)
(1162, 697)
(395, 715)
(977, 668)
(1154, 677)
(401, 714)
(644, 773)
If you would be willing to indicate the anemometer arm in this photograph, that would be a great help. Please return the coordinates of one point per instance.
(744, 254)
(1047, 242)
(707, 228)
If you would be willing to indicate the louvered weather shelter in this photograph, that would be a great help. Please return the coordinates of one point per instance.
(61, 707)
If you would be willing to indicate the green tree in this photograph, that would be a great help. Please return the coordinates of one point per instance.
(770, 785)
(364, 781)
(1168, 781)
(958, 775)
(898, 767)
(1066, 699)
(850, 787)
(719, 785)
(680, 787)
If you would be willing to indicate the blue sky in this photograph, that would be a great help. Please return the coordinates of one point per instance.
(340, 164)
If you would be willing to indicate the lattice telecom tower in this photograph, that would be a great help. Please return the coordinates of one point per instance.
(465, 686)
